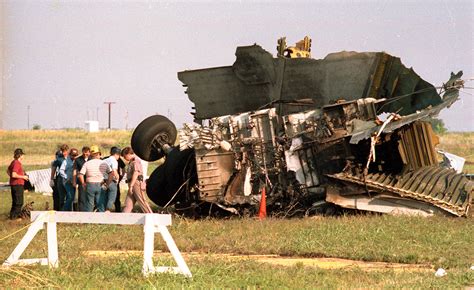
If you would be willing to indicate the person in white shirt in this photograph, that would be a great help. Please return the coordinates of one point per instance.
(112, 177)
(94, 170)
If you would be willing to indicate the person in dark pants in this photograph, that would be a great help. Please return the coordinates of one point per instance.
(17, 181)
(59, 191)
(78, 163)
(121, 171)
(66, 172)
(54, 173)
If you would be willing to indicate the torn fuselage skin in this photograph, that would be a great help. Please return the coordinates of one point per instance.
(297, 132)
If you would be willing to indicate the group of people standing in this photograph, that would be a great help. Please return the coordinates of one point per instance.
(96, 179)
(96, 190)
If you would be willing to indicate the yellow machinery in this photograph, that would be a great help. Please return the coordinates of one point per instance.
(302, 48)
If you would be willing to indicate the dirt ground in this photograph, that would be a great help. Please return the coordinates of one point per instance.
(323, 263)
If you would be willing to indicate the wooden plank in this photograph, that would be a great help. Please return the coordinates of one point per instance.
(53, 259)
(148, 245)
(175, 251)
(152, 223)
(34, 228)
(105, 218)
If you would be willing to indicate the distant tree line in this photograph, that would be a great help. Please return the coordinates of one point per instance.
(438, 125)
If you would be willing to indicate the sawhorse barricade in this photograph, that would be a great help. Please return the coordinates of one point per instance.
(152, 223)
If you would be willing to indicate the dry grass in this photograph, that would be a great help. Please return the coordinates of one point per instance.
(436, 242)
(461, 144)
(40, 145)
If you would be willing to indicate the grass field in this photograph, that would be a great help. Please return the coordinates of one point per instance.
(40, 145)
(431, 242)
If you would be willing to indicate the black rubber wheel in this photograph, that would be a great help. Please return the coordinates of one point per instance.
(168, 178)
(180, 165)
(145, 133)
(156, 186)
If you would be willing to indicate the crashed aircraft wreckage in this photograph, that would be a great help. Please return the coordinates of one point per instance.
(349, 129)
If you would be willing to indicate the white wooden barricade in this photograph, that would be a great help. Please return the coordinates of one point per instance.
(152, 223)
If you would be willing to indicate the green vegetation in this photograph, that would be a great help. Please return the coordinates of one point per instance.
(435, 242)
(40, 145)
(438, 125)
(461, 144)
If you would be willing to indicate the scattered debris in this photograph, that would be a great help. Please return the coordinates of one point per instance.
(40, 180)
(26, 210)
(347, 130)
(440, 272)
(452, 161)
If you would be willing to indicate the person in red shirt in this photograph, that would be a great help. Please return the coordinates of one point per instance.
(17, 181)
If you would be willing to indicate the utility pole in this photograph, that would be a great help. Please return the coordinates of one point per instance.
(110, 113)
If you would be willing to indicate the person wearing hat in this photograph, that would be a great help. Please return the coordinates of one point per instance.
(66, 172)
(113, 177)
(94, 171)
(17, 181)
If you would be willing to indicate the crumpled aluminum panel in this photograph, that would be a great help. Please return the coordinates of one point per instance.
(442, 187)
(258, 80)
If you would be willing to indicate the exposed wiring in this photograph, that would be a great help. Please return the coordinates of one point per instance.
(176, 193)
(467, 93)
(394, 99)
(442, 89)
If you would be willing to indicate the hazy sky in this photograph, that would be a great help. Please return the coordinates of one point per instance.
(65, 58)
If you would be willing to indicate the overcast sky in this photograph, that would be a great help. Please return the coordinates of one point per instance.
(65, 58)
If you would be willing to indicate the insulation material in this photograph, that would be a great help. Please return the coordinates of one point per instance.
(40, 180)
